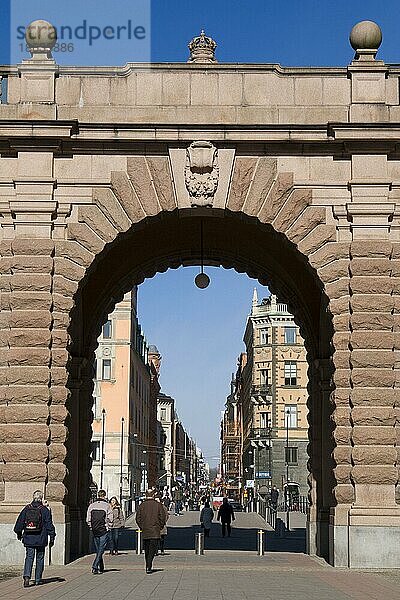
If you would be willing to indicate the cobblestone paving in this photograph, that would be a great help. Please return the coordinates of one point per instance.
(221, 574)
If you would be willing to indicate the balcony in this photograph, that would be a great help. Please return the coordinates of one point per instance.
(261, 433)
(231, 432)
(261, 394)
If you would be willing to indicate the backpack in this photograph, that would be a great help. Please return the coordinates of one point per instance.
(33, 519)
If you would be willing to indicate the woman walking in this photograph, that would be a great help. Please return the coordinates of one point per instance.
(117, 524)
(206, 517)
(164, 530)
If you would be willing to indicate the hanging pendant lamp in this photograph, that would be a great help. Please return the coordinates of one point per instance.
(202, 280)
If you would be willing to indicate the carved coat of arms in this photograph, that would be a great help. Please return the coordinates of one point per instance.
(201, 173)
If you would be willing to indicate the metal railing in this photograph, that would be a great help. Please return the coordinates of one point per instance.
(260, 433)
(269, 513)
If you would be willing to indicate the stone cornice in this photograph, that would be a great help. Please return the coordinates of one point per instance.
(66, 137)
(128, 68)
(123, 70)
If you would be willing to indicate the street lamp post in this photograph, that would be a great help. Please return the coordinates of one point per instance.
(121, 458)
(287, 470)
(103, 431)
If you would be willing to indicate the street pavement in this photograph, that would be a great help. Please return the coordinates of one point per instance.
(229, 570)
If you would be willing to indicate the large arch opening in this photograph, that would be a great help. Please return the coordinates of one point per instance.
(230, 240)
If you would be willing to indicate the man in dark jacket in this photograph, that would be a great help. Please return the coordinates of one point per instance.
(151, 518)
(34, 526)
(274, 497)
(99, 518)
(226, 515)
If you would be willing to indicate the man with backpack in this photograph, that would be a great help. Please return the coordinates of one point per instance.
(34, 526)
(100, 518)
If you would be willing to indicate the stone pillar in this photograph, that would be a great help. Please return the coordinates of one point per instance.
(27, 417)
(320, 478)
(336, 274)
(374, 518)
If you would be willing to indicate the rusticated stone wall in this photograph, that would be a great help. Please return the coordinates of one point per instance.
(342, 292)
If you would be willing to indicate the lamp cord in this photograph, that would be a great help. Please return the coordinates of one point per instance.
(201, 245)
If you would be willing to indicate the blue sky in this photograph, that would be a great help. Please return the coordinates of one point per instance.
(199, 333)
(291, 32)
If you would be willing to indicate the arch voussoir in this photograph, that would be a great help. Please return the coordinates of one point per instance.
(263, 176)
(123, 189)
(141, 181)
(295, 205)
(243, 173)
(311, 217)
(108, 202)
(98, 222)
(277, 196)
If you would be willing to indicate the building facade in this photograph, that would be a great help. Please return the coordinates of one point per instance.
(122, 413)
(274, 398)
(166, 439)
(232, 437)
(153, 447)
(180, 462)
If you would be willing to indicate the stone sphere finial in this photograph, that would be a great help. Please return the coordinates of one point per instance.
(366, 37)
(41, 37)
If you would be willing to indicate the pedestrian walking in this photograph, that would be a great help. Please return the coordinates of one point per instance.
(99, 518)
(226, 515)
(117, 524)
(164, 530)
(178, 501)
(34, 526)
(151, 518)
(274, 497)
(206, 517)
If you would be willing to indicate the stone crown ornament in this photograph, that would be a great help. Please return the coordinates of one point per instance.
(202, 49)
(201, 173)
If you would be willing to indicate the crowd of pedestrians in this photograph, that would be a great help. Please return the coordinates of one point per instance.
(35, 528)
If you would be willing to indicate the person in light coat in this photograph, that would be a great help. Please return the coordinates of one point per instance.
(117, 524)
(164, 530)
(206, 517)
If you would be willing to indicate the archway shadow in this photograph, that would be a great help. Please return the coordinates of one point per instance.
(242, 539)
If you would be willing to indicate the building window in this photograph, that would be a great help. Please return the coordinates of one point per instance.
(106, 369)
(263, 336)
(163, 414)
(291, 416)
(291, 455)
(264, 377)
(290, 335)
(264, 420)
(107, 330)
(290, 372)
(95, 451)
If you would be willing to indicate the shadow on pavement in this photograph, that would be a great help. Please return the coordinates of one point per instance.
(47, 580)
(182, 537)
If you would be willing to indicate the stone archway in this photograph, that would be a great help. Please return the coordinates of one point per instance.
(58, 291)
(303, 178)
(230, 240)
